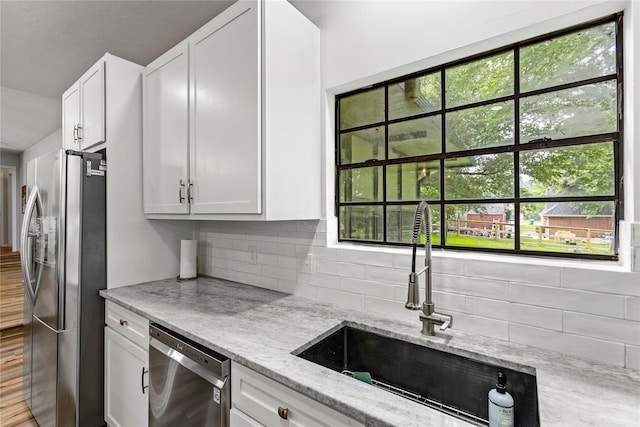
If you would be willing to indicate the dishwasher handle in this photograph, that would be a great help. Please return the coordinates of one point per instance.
(183, 360)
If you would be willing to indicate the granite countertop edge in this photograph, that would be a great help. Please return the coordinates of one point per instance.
(264, 329)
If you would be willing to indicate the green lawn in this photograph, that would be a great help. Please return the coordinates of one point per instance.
(527, 243)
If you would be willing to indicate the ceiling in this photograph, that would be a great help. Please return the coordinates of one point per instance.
(45, 46)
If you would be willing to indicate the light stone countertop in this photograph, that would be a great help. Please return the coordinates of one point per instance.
(260, 328)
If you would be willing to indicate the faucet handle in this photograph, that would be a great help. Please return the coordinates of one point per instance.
(448, 321)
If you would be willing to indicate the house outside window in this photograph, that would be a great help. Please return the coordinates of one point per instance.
(517, 150)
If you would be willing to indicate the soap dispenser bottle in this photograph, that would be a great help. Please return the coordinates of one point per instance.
(500, 404)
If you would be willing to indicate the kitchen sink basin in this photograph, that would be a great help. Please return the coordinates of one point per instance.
(448, 382)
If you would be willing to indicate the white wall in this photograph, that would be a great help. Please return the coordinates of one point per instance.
(587, 309)
(12, 162)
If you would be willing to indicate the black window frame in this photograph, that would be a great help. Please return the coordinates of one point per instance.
(616, 138)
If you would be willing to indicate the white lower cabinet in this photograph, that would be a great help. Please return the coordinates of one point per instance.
(260, 401)
(126, 368)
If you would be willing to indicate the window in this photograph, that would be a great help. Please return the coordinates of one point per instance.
(518, 150)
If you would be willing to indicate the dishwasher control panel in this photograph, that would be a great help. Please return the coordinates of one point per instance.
(198, 353)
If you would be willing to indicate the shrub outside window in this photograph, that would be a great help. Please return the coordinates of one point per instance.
(518, 150)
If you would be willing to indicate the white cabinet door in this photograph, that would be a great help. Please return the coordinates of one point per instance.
(273, 404)
(126, 382)
(226, 158)
(71, 117)
(92, 106)
(166, 132)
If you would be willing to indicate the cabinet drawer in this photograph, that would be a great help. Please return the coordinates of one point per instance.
(127, 323)
(260, 398)
(238, 419)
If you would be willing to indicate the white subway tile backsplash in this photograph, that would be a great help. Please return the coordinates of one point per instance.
(356, 286)
(311, 226)
(221, 242)
(366, 257)
(535, 316)
(268, 259)
(277, 248)
(296, 237)
(633, 308)
(327, 254)
(587, 348)
(525, 303)
(387, 275)
(393, 309)
(490, 308)
(513, 272)
(367, 287)
(340, 268)
(605, 328)
(450, 302)
(320, 280)
(471, 286)
(246, 267)
(341, 298)
(481, 325)
(235, 276)
(263, 281)
(448, 265)
(632, 357)
(298, 289)
(568, 299)
(279, 273)
(623, 283)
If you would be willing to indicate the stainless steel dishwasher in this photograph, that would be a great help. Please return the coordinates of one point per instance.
(189, 384)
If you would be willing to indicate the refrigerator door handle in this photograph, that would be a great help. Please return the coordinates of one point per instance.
(34, 204)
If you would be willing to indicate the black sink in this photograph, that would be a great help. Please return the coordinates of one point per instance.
(448, 382)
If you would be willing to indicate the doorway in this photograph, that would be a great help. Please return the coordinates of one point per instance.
(8, 207)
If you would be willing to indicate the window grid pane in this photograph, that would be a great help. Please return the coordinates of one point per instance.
(542, 181)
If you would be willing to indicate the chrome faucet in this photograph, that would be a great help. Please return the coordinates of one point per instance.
(429, 317)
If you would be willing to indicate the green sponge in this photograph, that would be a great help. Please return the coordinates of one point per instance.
(363, 376)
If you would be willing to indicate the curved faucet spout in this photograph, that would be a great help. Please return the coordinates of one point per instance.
(428, 316)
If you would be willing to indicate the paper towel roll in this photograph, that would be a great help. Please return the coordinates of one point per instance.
(188, 259)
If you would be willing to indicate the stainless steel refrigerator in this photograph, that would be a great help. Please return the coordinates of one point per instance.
(63, 251)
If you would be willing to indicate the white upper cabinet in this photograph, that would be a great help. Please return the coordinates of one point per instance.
(83, 110)
(232, 119)
(166, 132)
(225, 120)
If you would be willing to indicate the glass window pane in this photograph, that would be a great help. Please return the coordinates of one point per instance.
(415, 96)
(580, 170)
(413, 181)
(415, 137)
(362, 145)
(487, 126)
(489, 176)
(362, 109)
(361, 222)
(480, 80)
(574, 227)
(361, 184)
(480, 226)
(400, 224)
(577, 56)
(579, 111)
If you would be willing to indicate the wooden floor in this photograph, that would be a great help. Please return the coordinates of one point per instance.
(13, 409)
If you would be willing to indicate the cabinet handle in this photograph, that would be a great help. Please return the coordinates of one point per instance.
(189, 192)
(123, 322)
(283, 412)
(180, 192)
(79, 132)
(144, 387)
(75, 134)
